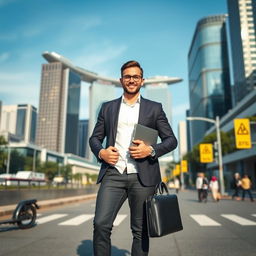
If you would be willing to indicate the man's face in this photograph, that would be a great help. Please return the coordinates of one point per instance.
(131, 80)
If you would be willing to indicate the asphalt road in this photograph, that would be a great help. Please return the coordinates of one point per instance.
(212, 229)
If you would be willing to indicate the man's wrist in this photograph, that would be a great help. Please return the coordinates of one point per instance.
(99, 154)
(153, 152)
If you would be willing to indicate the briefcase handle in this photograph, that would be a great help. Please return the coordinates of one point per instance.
(160, 188)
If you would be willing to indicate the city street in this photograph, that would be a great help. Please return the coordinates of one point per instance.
(224, 228)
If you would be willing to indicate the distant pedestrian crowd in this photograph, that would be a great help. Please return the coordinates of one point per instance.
(241, 184)
(238, 184)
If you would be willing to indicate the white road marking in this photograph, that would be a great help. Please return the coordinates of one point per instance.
(239, 220)
(119, 219)
(77, 220)
(203, 220)
(50, 218)
(254, 215)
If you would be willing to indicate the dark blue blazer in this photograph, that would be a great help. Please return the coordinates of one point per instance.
(151, 115)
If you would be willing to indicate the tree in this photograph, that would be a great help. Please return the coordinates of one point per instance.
(3, 154)
(50, 169)
(66, 172)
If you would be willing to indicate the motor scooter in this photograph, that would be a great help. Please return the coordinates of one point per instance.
(24, 214)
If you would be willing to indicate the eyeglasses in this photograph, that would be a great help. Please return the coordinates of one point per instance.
(135, 78)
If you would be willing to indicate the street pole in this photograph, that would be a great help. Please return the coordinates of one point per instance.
(217, 125)
(222, 187)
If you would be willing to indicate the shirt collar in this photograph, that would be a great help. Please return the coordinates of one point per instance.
(137, 101)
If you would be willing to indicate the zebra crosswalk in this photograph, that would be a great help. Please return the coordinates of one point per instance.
(202, 220)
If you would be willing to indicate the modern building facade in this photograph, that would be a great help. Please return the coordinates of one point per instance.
(58, 121)
(98, 93)
(209, 77)
(182, 138)
(20, 121)
(160, 93)
(242, 161)
(58, 118)
(83, 137)
(242, 29)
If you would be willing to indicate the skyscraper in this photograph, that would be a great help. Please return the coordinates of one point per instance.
(160, 93)
(59, 109)
(20, 120)
(242, 29)
(98, 93)
(209, 82)
(83, 138)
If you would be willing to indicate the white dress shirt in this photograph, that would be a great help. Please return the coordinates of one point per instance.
(128, 117)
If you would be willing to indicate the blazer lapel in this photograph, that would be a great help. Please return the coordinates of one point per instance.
(143, 110)
(114, 117)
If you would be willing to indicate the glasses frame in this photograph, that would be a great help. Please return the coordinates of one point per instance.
(136, 78)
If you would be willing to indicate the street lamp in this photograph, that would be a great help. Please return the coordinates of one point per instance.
(217, 125)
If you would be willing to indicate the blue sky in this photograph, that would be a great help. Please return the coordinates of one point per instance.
(99, 36)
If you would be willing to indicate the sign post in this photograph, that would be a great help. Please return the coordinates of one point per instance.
(206, 153)
(242, 133)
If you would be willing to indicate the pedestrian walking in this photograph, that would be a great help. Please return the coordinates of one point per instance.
(199, 185)
(236, 185)
(214, 187)
(205, 188)
(127, 171)
(246, 186)
(177, 185)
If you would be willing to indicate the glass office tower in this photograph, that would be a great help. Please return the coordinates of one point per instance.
(242, 28)
(209, 82)
(160, 93)
(83, 137)
(99, 92)
(20, 120)
(59, 109)
(26, 123)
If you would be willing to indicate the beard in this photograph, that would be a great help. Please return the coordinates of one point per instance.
(131, 92)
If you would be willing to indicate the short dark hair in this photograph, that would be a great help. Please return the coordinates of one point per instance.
(129, 64)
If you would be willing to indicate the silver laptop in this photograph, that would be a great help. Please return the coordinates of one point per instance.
(148, 135)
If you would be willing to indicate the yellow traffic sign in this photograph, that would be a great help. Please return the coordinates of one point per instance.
(184, 166)
(242, 133)
(206, 153)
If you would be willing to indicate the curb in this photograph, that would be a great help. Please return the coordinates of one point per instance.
(8, 209)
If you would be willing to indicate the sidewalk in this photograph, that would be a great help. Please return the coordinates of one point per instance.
(8, 209)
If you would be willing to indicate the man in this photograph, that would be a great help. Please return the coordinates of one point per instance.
(127, 171)
(246, 185)
(199, 186)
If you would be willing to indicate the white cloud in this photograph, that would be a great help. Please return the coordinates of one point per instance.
(5, 2)
(22, 87)
(4, 56)
(8, 37)
(98, 59)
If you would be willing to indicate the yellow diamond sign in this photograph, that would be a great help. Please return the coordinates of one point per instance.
(242, 133)
(206, 153)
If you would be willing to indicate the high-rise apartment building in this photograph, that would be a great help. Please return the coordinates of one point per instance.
(242, 29)
(19, 120)
(209, 81)
(58, 120)
(83, 138)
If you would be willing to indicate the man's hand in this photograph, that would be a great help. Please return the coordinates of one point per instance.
(141, 150)
(110, 155)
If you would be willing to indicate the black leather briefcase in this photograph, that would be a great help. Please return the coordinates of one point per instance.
(163, 214)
